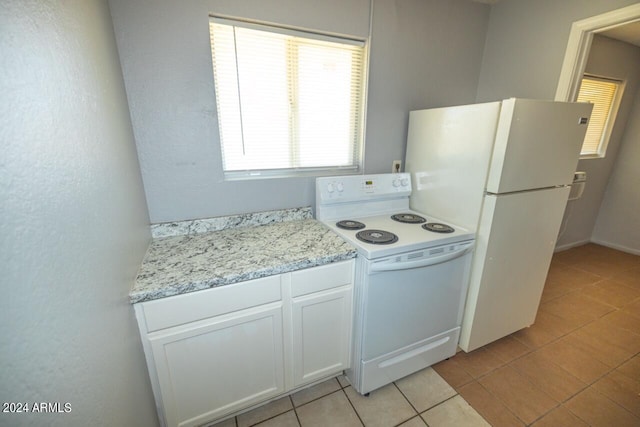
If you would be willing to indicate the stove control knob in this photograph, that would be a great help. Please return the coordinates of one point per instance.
(405, 182)
(330, 188)
(340, 187)
(396, 182)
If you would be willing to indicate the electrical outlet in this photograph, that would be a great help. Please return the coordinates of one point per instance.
(396, 166)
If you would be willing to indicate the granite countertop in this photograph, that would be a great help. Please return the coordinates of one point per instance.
(185, 263)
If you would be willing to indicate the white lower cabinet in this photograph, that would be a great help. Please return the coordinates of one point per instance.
(321, 342)
(215, 352)
(199, 366)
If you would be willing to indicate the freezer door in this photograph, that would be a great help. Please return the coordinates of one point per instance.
(514, 246)
(448, 154)
(537, 144)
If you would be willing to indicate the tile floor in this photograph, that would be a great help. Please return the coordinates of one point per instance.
(578, 365)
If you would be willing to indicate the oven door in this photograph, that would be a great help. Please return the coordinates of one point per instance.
(412, 297)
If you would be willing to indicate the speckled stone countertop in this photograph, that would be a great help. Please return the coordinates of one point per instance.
(187, 263)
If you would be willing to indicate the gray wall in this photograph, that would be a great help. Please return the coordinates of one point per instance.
(525, 49)
(424, 53)
(526, 44)
(74, 222)
(618, 223)
(608, 58)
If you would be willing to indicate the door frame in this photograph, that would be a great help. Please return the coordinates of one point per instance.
(579, 45)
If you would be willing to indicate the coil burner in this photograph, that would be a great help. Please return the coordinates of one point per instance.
(350, 225)
(408, 218)
(438, 228)
(377, 237)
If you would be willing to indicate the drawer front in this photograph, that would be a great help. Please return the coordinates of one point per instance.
(317, 279)
(185, 308)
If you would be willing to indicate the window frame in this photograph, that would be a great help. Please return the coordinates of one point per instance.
(360, 118)
(612, 115)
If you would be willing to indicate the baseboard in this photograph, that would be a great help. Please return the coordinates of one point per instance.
(616, 246)
(571, 245)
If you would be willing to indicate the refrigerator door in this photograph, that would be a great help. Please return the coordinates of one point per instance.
(537, 144)
(448, 154)
(514, 246)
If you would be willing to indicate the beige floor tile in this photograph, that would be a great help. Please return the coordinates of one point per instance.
(608, 353)
(579, 364)
(548, 377)
(425, 389)
(508, 349)
(414, 422)
(288, 419)
(628, 277)
(344, 381)
(520, 395)
(611, 292)
(631, 368)
(571, 278)
(570, 256)
(478, 362)
(383, 407)
(609, 332)
(622, 390)
(489, 406)
(633, 308)
(546, 328)
(554, 289)
(576, 308)
(314, 392)
(452, 372)
(599, 267)
(332, 410)
(455, 412)
(265, 412)
(560, 417)
(623, 320)
(598, 411)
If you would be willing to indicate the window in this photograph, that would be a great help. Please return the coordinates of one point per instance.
(289, 102)
(605, 95)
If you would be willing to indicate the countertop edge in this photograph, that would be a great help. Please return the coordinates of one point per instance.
(180, 289)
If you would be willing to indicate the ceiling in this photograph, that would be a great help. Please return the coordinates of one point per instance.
(629, 33)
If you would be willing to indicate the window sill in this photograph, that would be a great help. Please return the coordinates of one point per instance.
(289, 173)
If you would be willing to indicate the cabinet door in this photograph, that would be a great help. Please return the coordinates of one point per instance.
(321, 334)
(211, 368)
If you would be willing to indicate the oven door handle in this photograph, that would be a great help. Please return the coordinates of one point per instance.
(394, 265)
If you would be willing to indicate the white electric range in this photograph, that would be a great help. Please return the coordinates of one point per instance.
(411, 276)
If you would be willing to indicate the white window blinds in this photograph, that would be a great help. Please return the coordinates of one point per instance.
(603, 94)
(287, 101)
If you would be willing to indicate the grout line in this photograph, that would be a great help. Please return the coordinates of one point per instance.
(316, 398)
(352, 406)
(407, 399)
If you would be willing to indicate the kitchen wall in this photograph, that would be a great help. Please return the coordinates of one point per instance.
(618, 223)
(424, 53)
(74, 220)
(616, 59)
(526, 44)
(525, 48)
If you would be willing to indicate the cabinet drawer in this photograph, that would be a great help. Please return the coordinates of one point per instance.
(185, 308)
(321, 278)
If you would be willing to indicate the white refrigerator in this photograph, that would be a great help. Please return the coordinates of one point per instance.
(502, 169)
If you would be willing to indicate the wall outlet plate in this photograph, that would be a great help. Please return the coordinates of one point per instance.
(396, 166)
